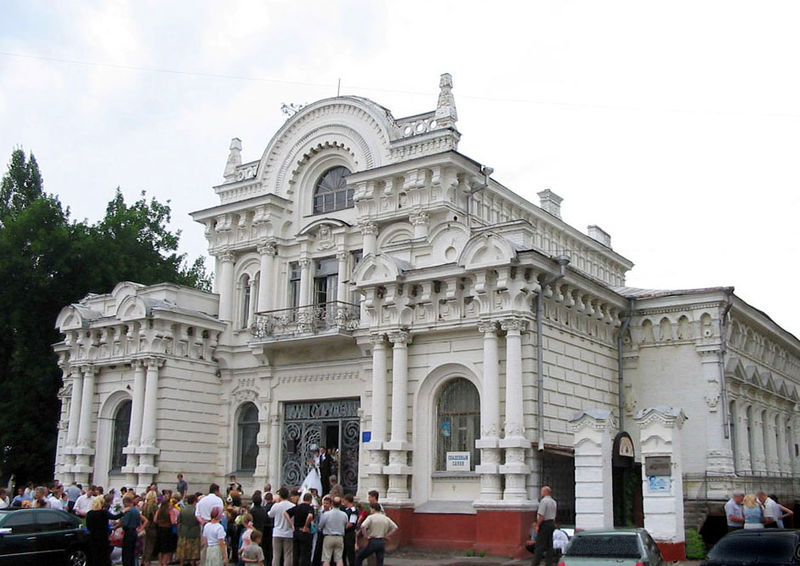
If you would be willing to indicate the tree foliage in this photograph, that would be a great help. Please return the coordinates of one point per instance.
(47, 262)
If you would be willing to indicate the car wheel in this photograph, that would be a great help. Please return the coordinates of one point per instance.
(77, 557)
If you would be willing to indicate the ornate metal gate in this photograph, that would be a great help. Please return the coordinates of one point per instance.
(303, 425)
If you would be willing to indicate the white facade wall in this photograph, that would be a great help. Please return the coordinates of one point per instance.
(445, 250)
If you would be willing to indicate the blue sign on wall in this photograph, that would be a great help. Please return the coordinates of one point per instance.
(366, 436)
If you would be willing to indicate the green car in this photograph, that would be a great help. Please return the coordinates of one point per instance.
(615, 547)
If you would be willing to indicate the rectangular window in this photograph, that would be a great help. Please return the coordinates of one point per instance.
(294, 285)
(326, 280)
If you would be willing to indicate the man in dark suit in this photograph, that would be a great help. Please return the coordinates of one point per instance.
(325, 469)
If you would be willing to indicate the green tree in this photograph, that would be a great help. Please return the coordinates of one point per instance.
(47, 262)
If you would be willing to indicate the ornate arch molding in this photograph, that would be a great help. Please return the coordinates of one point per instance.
(487, 250)
(358, 124)
(376, 269)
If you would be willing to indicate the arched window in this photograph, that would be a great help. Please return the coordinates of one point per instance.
(458, 419)
(246, 433)
(332, 192)
(122, 425)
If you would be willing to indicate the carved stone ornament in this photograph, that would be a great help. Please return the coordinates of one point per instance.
(268, 247)
(325, 238)
(513, 325)
(242, 395)
(712, 396)
(487, 327)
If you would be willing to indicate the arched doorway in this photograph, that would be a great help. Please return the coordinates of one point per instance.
(627, 483)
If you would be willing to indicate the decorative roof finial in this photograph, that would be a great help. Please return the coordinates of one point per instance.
(446, 115)
(234, 159)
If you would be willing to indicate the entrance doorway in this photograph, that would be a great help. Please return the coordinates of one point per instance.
(310, 424)
(627, 484)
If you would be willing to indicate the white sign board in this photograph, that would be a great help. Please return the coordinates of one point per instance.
(458, 462)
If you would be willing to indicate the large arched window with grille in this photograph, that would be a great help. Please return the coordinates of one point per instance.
(122, 425)
(246, 438)
(332, 192)
(458, 419)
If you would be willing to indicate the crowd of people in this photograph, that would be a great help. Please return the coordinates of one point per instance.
(756, 511)
(309, 526)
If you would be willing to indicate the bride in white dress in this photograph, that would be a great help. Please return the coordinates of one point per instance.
(312, 479)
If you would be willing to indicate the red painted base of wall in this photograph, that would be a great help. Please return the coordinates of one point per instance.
(504, 533)
(672, 550)
(500, 533)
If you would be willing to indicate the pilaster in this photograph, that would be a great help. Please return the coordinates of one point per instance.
(398, 447)
(488, 443)
(514, 441)
(662, 478)
(593, 438)
(266, 251)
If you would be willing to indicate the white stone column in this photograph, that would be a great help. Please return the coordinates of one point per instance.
(759, 460)
(251, 307)
(719, 458)
(305, 314)
(771, 447)
(74, 407)
(398, 468)
(488, 443)
(369, 232)
(84, 450)
(148, 449)
(377, 455)
(660, 434)
(342, 277)
(73, 422)
(743, 463)
(275, 451)
(593, 438)
(785, 462)
(137, 412)
(226, 287)
(266, 251)
(514, 441)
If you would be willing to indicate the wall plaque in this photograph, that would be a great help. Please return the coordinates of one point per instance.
(657, 466)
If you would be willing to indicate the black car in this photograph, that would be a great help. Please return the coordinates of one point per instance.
(42, 536)
(765, 547)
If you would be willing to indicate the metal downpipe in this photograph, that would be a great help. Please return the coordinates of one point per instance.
(620, 372)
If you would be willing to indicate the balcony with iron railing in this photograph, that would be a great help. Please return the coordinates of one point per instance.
(335, 318)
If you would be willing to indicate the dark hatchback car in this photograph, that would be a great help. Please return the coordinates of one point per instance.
(765, 547)
(42, 536)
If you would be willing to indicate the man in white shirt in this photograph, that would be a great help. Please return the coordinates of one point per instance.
(774, 512)
(734, 512)
(84, 503)
(203, 508)
(283, 529)
(4, 502)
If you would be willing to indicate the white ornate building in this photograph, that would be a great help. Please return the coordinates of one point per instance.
(378, 292)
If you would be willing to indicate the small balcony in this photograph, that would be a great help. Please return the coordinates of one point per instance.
(333, 319)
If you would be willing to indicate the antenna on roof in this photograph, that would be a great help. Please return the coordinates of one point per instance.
(338, 87)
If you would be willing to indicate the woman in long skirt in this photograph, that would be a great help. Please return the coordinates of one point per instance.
(214, 540)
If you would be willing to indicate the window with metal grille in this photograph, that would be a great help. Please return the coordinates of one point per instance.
(122, 425)
(458, 418)
(246, 432)
(332, 192)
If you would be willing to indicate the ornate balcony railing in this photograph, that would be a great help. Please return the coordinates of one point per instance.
(309, 319)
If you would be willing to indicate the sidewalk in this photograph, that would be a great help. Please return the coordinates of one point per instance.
(417, 557)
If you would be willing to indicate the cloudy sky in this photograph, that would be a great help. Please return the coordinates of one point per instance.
(675, 126)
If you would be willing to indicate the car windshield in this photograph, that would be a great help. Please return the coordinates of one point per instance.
(766, 547)
(611, 546)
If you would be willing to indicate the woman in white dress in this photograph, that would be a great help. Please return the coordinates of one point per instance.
(312, 480)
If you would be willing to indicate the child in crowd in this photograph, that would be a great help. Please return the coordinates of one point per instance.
(252, 553)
